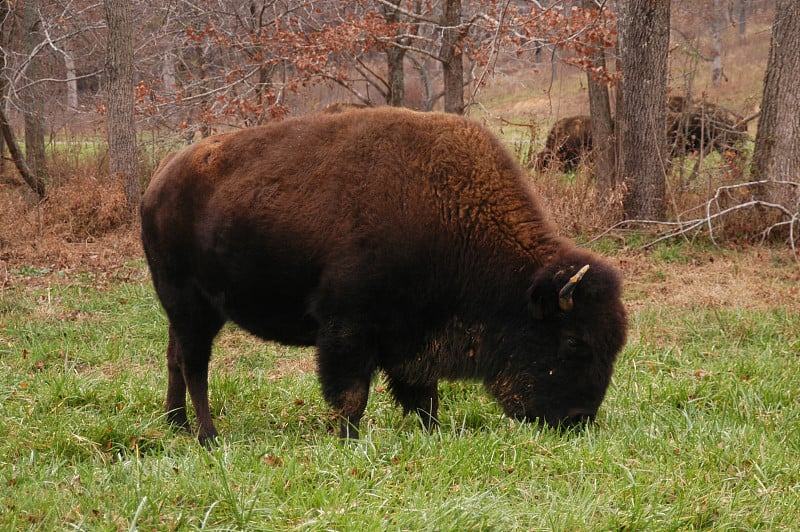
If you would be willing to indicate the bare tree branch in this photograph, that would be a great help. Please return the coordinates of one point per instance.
(714, 211)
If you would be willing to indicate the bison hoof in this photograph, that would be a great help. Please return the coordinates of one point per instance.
(177, 419)
(208, 440)
(347, 430)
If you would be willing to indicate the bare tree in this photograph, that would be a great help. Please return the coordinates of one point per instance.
(5, 13)
(603, 139)
(717, 25)
(452, 57)
(395, 56)
(776, 156)
(741, 19)
(33, 94)
(33, 180)
(644, 44)
(123, 159)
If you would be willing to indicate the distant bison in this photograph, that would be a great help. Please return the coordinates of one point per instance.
(341, 107)
(690, 128)
(568, 144)
(398, 241)
(702, 127)
(677, 105)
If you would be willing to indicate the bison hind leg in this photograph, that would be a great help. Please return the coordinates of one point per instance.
(422, 399)
(176, 386)
(188, 356)
(193, 324)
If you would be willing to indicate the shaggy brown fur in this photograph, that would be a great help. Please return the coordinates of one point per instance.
(398, 241)
(341, 107)
(568, 144)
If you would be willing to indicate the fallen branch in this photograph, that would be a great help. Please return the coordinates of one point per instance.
(790, 217)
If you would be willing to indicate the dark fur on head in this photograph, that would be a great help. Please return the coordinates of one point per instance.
(571, 381)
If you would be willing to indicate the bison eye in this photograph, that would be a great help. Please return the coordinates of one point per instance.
(572, 342)
(570, 345)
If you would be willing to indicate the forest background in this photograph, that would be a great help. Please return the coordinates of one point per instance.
(700, 428)
(98, 92)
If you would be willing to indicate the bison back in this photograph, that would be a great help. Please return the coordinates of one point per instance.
(364, 206)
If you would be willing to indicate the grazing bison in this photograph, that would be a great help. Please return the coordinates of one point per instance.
(690, 128)
(567, 144)
(398, 241)
(701, 127)
(677, 105)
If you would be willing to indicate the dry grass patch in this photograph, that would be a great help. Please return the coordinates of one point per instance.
(756, 278)
(82, 225)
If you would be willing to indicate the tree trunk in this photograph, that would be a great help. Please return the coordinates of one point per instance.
(452, 58)
(120, 122)
(741, 15)
(395, 55)
(3, 83)
(603, 141)
(644, 30)
(169, 78)
(776, 155)
(396, 96)
(33, 180)
(619, 119)
(72, 80)
(717, 24)
(33, 97)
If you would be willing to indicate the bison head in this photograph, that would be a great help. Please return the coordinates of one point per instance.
(561, 370)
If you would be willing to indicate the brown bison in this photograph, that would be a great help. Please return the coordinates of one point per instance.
(677, 105)
(393, 241)
(690, 128)
(568, 144)
(341, 107)
(703, 127)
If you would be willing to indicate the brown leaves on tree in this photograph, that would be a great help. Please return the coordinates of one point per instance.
(240, 69)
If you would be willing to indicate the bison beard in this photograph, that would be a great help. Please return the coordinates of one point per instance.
(394, 241)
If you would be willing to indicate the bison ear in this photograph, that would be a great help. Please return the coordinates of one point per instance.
(541, 301)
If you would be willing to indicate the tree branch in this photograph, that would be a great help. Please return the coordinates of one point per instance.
(34, 181)
(712, 212)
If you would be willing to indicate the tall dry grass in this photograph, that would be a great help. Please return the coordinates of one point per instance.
(83, 218)
(575, 204)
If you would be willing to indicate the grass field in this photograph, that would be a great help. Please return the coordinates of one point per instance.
(700, 429)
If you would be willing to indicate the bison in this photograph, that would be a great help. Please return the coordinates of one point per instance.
(567, 144)
(690, 128)
(703, 127)
(341, 107)
(395, 241)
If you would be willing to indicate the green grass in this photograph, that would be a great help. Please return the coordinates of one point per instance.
(700, 430)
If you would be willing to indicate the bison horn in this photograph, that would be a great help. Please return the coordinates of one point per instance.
(565, 295)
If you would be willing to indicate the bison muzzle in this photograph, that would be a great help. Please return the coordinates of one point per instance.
(394, 241)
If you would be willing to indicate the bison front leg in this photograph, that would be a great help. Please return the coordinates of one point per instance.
(345, 371)
(422, 399)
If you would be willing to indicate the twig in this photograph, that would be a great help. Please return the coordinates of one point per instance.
(790, 218)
